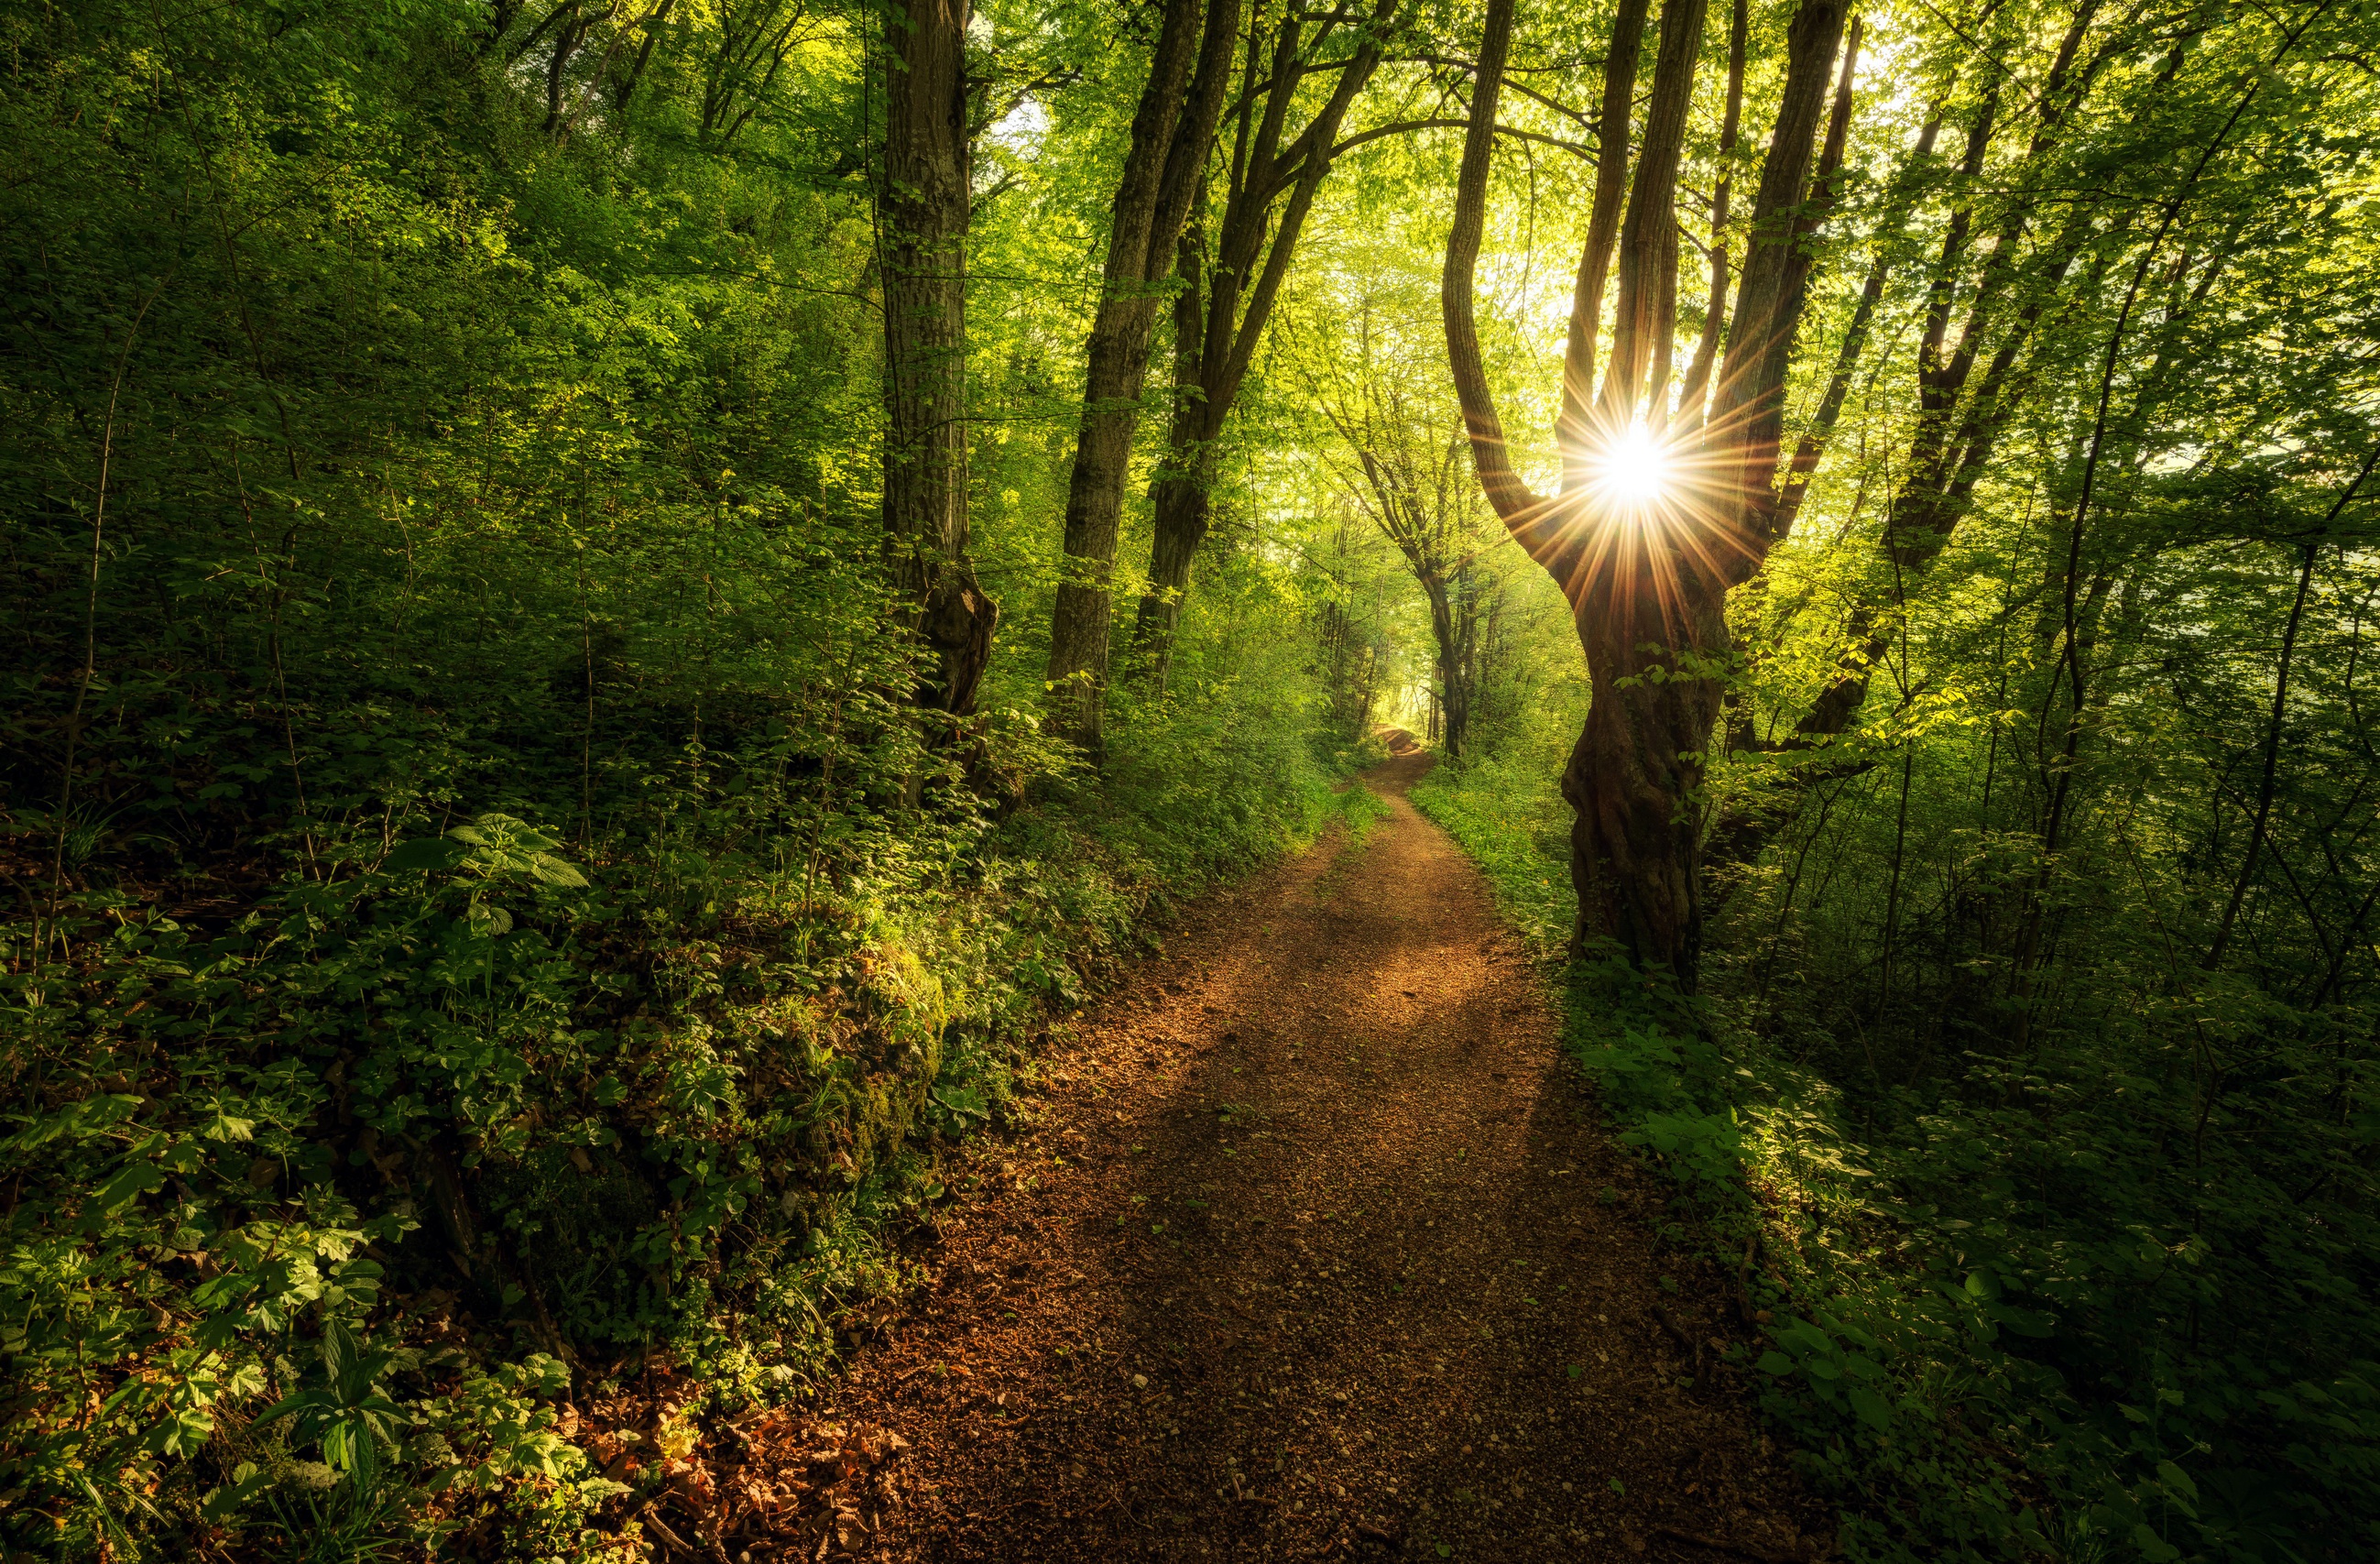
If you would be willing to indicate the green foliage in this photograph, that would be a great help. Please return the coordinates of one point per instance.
(2030, 1083)
(488, 918)
(1500, 808)
(1358, 809)
(486, 921)
(1970, 1297)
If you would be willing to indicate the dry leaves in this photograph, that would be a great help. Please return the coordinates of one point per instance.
(788, 1485)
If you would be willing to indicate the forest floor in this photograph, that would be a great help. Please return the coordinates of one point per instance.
(1310, 1248)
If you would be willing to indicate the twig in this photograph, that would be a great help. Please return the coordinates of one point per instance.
(1668, 1322)
(662, 1531)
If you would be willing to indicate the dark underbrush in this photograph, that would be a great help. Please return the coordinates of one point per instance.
(1987, 1308)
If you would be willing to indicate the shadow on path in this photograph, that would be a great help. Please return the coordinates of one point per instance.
(1313, 1251)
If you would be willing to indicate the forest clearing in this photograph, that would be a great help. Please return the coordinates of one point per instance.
(1189, 779)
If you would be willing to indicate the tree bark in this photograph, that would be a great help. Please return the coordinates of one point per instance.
(1645, 320)
(1179, 492)
(1171, 131)
(1620, 58)
(1454, 673)
(924, 212)
(1692, 396)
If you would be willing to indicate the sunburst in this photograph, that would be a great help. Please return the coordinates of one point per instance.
(1633, 470)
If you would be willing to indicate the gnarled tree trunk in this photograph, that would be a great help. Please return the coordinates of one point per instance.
(1647, 583)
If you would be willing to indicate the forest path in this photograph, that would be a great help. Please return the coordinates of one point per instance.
(1313, 1250)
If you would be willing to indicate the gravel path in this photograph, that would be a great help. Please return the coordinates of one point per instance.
(1312, 1249)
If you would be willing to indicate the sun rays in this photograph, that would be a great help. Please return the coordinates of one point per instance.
(1633, 470)
(1645, 506)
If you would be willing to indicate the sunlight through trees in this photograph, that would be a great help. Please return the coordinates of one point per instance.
(614, 609)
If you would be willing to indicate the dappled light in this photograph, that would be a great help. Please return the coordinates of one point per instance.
(955, 782)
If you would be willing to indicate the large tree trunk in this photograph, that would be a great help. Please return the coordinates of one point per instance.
(1649, 587)
(924, 211)
(1693, 394)
(1181, 486)
(1183, 512)
(1636, 773)
(1572, 432)
(1169, 134)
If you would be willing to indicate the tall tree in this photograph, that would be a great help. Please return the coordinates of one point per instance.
(1172, 131)
(1646, 566)
(925, 210)
(1224, 304)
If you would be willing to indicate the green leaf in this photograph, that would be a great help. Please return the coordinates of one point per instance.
(129, 1185)
(554, 871)
(1774, 1362)
(222, 1126)
(1873, 1409)
(424, 854)
(965, 1101)
(2025, 1322)
(77, 1118)
(182, 1431)
(339, 1351)
(221, 1504)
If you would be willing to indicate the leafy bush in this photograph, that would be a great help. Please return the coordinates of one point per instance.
(487, 921)
(307, 1188)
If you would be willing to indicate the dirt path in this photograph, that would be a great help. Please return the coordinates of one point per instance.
(1313, 1251)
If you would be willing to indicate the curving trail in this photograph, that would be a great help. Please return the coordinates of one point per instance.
(1312, 1250)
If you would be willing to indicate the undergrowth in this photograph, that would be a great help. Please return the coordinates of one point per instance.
(1976, 1309)
(488, 930)
(326, 1214)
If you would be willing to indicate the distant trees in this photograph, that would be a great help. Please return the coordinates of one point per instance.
(1405, 464)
